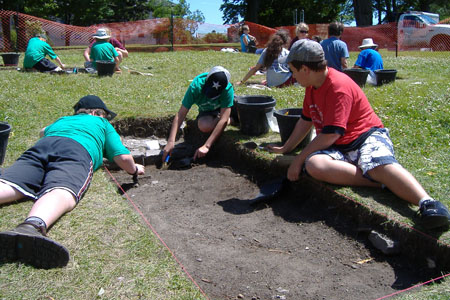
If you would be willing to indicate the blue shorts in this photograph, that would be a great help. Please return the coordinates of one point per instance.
(376, 150)
(52, 163)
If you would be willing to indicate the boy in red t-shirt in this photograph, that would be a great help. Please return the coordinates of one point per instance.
(352, 147)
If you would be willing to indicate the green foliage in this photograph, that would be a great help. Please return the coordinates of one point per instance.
(215, 37)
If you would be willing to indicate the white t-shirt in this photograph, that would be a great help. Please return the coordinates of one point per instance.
(278, 73)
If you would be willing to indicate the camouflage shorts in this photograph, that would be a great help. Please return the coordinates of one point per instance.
(375, 151)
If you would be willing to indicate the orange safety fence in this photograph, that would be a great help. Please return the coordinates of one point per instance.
(17, 28)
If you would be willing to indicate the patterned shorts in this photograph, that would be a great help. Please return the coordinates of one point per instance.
(375, 151)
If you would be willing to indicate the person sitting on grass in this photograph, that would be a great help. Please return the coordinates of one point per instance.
(351, 147)
(121, 50)
(336, 51)
(102, 50)
(278, 74)
(369, 59)
(301, 32)
(35, 53)
(213, 93)
(56, 173)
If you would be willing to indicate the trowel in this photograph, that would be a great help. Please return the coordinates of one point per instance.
(165, 164)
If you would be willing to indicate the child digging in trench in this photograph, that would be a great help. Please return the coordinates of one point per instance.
(213, 93)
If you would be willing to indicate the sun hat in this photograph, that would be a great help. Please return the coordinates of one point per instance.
(101, 34)
(305, 50)
(92, 101)
(216, 81)
(367, 43)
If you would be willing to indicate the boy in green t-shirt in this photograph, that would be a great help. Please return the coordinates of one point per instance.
(55, 173)
(213, 93)
(37, 49)
(102, 49)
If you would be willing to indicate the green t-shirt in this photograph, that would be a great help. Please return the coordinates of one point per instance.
(36, 51)
(194, 95)
(102, 50)
(94, 133)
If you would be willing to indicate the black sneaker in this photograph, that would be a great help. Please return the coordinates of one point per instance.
(27, 244)
(434, 214)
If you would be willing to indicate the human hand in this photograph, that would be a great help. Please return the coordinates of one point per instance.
(167, 150)
(239, 83)
(63, 66)
(294, 171)
(140, 169)
(201, 152)
(275, 149)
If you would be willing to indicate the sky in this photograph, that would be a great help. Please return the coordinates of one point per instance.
(209, 8)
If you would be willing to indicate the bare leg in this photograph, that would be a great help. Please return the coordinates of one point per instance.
(400, 182)
(51, 206)
(325, 168)
(207, 124)
(9, 194)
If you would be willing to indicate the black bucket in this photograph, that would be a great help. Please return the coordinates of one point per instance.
(10, 59)
(358, 75)
(105, 67)
(287, 119)
(253, 111)
(385, 76)
(5, 128)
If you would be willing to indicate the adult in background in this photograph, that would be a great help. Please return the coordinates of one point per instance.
(121, 50)
(248, 42)
(336, 51)
(56, 173)
(351, 147)
(369, 59)
(277, 74)
(103, 50)
(35, 54)
(213, 93)
(301, 32)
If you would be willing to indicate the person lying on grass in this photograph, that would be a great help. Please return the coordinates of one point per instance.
(352, 147)
(213, 93)
(55, 173)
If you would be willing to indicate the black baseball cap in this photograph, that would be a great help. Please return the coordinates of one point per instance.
(92, 101)
(216, 81)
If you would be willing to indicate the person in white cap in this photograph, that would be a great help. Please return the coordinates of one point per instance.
(103, 50)
(352, 147)
(120, 48)
(369, 58)
(213, 93)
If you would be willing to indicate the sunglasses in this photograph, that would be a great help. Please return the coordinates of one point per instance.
(304, 31)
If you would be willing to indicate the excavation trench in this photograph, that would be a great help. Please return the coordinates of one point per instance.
(304, 244)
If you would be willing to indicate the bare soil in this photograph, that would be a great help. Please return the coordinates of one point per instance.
(293, 247)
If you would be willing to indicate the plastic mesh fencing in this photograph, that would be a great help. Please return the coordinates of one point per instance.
(17, 28)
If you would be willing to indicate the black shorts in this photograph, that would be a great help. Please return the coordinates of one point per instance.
(212, 113)
(45, 66)
(52, 163)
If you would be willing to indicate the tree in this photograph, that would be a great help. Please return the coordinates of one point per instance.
(363, 12)
(271, 13)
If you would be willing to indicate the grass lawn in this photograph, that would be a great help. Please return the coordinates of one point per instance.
(113, 254)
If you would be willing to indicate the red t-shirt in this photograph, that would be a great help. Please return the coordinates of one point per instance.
(340, 102)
